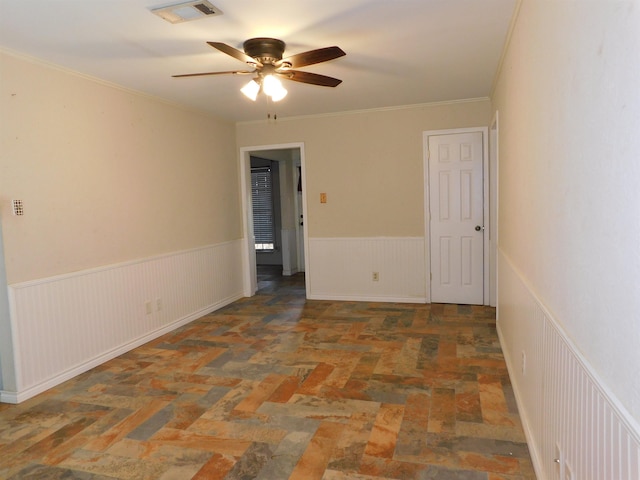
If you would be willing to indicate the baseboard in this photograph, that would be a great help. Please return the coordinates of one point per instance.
(365, 298)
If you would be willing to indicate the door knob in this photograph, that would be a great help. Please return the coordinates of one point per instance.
(478, 228)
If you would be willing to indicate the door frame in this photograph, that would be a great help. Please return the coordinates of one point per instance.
(487, 267)
(300, 219)
(494, 164)
(249, 270)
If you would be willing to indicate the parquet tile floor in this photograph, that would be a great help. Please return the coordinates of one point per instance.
(276, 387)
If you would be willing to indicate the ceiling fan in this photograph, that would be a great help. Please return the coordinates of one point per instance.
(264, 55)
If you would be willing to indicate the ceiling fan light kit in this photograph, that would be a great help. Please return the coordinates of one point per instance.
(270, 85)
(264, 55)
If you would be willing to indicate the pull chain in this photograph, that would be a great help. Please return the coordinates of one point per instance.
(270, 115)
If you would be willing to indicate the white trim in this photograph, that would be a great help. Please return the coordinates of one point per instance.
(305, 218)
(494, 191)
(299, 218)
(485, 208)
(485, 198)
(505, 47)
(249, 276)
(113, 266)
(414, 106)
(368, 298)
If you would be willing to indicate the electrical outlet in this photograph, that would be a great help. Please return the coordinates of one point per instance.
(524, 362)
(375, 276)
(148, 307)
(158, 304)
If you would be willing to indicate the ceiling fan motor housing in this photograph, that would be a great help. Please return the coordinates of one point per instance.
(267, 50)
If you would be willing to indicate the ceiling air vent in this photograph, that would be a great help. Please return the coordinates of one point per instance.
(186, 11)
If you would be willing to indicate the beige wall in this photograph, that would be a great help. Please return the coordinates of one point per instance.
(370, 164)
(106, 175)
(569, 113)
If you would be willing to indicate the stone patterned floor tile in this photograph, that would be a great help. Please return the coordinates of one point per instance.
(278, 387)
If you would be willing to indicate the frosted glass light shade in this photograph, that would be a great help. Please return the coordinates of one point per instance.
(273, 88)
(279, 94)
(251, 89)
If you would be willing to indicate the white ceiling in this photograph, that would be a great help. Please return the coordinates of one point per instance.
(399, 52)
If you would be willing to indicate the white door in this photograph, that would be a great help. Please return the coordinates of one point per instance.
(457, 213)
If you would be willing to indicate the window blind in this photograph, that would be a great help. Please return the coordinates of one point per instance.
(262, 200)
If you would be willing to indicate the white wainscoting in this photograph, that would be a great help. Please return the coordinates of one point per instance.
(65, 325)
(562, 401)
(342, 269)
(289, 252)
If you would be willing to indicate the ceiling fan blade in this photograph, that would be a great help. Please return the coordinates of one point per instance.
(312, 78)
(235, 53)
(232, 72)
(312, 57)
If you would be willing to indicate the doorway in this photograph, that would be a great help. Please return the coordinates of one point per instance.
(289, 160)
(457, 216)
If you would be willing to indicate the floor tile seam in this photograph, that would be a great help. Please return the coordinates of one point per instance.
(460, 462)
(94, 468)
